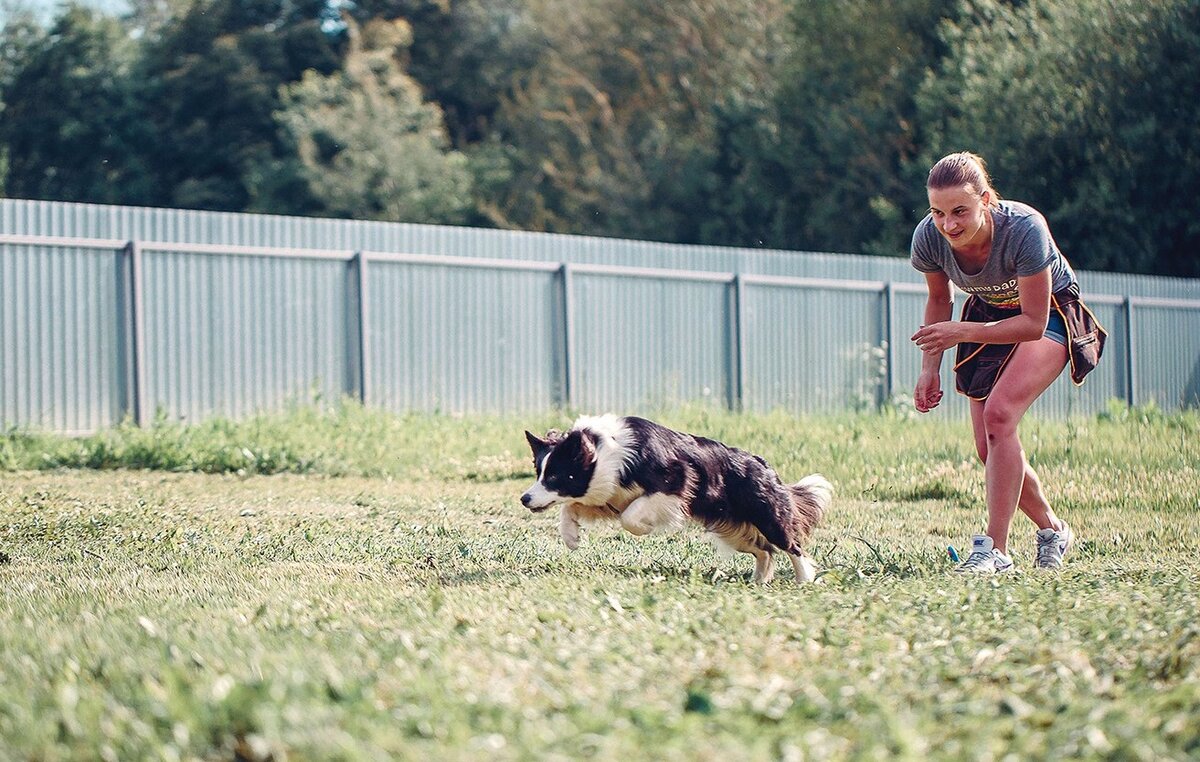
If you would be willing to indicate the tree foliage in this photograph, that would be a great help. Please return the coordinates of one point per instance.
(465, 54)
(72, 129)
(848, 122)
(615, 128)
(740, 122)
(369, 146)
(1087, 110)
(211, 85)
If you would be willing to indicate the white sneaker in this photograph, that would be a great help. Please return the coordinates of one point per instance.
(1052, 546)
(984, 558)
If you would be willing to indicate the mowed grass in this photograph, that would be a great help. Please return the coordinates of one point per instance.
(343, 584)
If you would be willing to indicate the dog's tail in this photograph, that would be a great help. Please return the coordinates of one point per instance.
(811, 496)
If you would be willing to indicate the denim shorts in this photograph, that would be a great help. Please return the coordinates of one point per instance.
(1055, 328)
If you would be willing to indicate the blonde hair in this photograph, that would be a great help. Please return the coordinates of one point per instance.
(959, 169)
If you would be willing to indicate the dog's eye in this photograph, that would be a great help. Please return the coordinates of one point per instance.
(570, 477)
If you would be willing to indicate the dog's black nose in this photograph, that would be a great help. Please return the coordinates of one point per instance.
(525, 500)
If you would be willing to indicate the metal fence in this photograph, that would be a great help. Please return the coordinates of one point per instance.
(97, 329)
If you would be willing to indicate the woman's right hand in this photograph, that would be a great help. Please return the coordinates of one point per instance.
(928, 393)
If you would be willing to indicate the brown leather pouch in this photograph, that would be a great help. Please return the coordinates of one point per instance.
(1085, 336)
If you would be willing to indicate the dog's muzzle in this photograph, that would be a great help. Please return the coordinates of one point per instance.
(527, 501)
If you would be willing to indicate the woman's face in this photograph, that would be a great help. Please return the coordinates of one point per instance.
(960, 215)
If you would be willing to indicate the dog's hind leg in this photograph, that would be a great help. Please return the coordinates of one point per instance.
(744, 538)
(764, 566)
(785, 525)
(775, 535)
(805, 570)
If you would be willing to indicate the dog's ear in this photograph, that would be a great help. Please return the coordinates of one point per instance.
(536, 443)
(587, 446)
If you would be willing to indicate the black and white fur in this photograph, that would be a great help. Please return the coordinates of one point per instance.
(650, 477)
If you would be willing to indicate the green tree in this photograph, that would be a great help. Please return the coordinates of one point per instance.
(71, 129)
(848, 123)
(369, 146)
(213, 80)
(19, 35)
(148, 19)
(466, 54)
(615, 129)
(1088, 111)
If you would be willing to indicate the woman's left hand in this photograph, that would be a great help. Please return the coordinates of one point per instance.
(938, 337)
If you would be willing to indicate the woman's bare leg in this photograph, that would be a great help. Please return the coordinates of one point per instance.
(1032, 502)
(1030, 371)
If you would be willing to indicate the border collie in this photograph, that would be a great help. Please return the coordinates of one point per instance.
(650, 477)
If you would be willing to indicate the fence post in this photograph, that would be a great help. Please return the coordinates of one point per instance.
(889, 322)
(1130, 356)
(135, 330)
(356, 381)
(566, 279)
(737, 349)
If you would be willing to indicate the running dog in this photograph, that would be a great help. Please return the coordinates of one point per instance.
(650, 477)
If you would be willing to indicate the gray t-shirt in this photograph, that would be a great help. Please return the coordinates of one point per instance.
(1021, 245)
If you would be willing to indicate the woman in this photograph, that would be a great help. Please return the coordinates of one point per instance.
(1021, 316)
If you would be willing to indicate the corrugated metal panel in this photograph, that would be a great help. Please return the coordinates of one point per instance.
(47, 218)
(178, 225)
(234, 335)
(463, 339)
(650, 342)
(61, 338)
(810, 350)
(231, 333)
(1168, 375)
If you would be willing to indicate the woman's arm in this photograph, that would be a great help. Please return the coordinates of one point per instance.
(939, 307)
(1034, 292)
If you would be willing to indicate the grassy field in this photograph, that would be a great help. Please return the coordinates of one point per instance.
(341, 584)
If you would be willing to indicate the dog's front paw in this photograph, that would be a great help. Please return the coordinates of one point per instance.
(570, 537)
